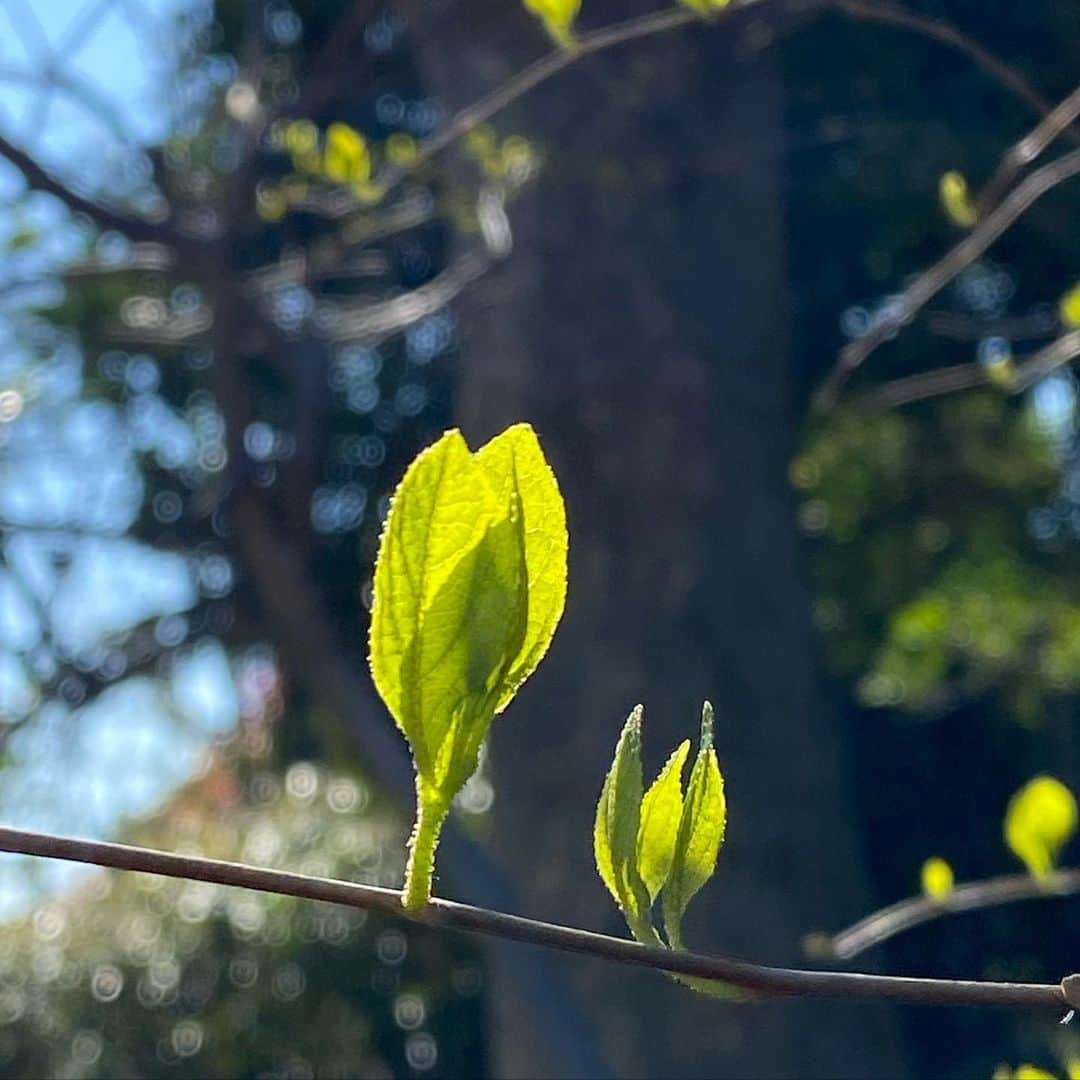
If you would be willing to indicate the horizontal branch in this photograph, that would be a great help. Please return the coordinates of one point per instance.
(948, 380)
(901, 916)
(931, 281)
(445, 914)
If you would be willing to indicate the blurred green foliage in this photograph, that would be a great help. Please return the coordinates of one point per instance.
(933, 586)
(130, 974)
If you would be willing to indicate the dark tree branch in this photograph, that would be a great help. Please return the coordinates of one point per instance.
(906, 914)
(880, 11)
(947, 380)
(447, 915)
(931, 281)
(103, 216)
(1022, 153)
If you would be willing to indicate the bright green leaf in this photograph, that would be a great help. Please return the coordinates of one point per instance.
(1040, 819)
(956, 201)
(439, 513)
(617, 819)
(514, 462)
(705, 7)
(1069, 307)
(661, 811)
(701, 832)
(346, 158)
(937, 878)
(456, 664)
(558, 18)
(469, 585)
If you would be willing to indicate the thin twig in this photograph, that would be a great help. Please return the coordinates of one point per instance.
(103, 216)
(947, 34)
(948, 380)
(931, 281)
(895, 919)
(445, 914)
(552, 63)
(1023, 152)
(370, 323)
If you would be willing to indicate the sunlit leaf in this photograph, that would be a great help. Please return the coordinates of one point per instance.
(1069, 307)
(1032, 1072)
(937, 878)
(956, 200)
(661, 812)
(514, 462)
(705, 7)
(701, 832)
(346, 159)
(439, 513)
(469, 584)
(617, 818)
(1040, 819)
(558, 18)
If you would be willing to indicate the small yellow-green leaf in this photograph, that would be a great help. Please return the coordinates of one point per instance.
(1040, 819)
(956, 199)
(701, 832)
(705, 7)
(661, 812)
(558, 18)
(617, 819)
(937, 878)
(346, 158)
(1069, 307)
(514, 463)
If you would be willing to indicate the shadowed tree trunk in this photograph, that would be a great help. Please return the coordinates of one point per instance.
(640, 325)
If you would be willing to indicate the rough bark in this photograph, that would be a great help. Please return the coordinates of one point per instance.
(640, 326)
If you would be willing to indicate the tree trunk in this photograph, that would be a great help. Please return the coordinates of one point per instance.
(640, 325)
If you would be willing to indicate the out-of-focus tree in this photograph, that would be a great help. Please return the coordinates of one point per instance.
(228, 336)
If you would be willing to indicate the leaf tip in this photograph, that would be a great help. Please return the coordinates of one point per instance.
(706, 725)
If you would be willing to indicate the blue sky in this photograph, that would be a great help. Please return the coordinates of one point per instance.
(124, 752)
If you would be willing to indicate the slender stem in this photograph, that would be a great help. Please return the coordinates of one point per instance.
(1022, 153)
(1007, 76)
(946, 380)
(974, 896)
(104, 217)
(541, 70)
(932, 280)
(445, 914)
(420, 868)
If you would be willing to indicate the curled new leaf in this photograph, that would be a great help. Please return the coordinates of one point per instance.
(470, 582)
(661, 812)
(1040, 819)
(660, 843)
(937, 878)
(617, 818)
(701, 831)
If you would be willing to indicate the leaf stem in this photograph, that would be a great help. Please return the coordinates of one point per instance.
(419, 870)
